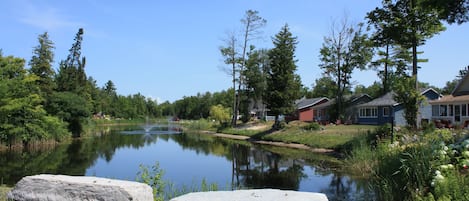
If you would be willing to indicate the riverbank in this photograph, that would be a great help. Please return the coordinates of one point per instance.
(273, 143)
(326, 139)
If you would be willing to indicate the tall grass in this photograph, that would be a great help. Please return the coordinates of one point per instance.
(165, 190)
(3, 192)
(420, 165)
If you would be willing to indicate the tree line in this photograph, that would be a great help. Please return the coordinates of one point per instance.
(39, 103)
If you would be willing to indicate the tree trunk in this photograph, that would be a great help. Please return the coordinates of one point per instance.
(235, 100)
(414, 56)
(386, 78)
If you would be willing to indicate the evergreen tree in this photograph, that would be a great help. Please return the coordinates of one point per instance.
(283, 85)
(71, 76)
(74, 89)
(41, 64)
(22, 116)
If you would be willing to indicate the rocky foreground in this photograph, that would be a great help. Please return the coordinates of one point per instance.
(47, 187)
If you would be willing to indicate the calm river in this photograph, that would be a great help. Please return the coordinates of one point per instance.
(187, 159)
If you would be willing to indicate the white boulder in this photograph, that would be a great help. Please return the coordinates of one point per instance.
(252, 195)
(63, 188)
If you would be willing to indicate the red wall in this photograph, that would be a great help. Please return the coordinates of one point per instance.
(306, 114)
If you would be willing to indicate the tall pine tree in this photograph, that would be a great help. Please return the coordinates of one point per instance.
(71, 76)
(283, 85)
(73, 99)
(41, 64)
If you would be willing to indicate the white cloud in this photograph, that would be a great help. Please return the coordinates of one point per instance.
(45, 17)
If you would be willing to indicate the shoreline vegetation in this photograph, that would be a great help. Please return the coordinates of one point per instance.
(425, 164)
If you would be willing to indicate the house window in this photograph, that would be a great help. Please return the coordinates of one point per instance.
(450, 110)
(368, 112)
(385, 111)
(435, 110)
(464, 110)
(443, 111)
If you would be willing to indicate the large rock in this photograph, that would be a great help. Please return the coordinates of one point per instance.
(253, 195)
(61, 187)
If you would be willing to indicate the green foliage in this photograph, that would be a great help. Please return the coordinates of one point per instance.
(198, 125)
(346, 49)
(71, 76)
(154, 178)
(22, 116)
(423, 169)
(71, 108)
(324, 87)
(220, 114)
(41, 64)
(374, 90)
(313, 126)
(410, 98)
(283, 85)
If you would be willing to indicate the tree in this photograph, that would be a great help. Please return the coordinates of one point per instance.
(451, 85)
(255, 80)
(283, 85)
(220, 114)
(252, 29)
(346, 49)
(410, 98)
(22, 116)
(252, 24)
(324, 87)
(73, 88)
(71, 76)
(41, 64)
(230, 54)
(70, 108)
(374, 90)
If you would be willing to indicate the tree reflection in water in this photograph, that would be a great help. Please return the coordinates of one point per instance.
(251, 166)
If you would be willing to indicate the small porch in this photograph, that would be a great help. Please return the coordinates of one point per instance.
(450, 115)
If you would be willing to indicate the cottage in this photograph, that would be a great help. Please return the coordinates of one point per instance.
(350, 102)
(452, 110)
(306, 111)
(383, 109)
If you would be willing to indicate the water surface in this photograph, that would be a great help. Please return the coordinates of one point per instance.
(187, 159)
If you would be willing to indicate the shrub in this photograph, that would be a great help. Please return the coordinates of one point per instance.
(153, 177)
(314, 126)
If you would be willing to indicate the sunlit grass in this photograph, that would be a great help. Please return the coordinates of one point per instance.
(3, 192)
(330, 136)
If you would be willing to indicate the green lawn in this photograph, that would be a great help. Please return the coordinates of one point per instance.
(330, 136)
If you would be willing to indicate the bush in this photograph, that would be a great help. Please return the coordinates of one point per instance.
(314, 126)
(279, 125)
(201, 124)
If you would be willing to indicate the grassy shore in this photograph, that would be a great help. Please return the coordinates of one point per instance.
(329, 136)
(3, 192)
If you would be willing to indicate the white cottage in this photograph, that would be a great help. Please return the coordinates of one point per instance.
(453, 110)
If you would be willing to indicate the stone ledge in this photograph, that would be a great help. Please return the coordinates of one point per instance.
(62, 187)
(252, 195)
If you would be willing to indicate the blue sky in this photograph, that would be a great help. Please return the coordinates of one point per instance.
(170, 49)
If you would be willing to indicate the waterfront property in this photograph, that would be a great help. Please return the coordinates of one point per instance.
(350, 103)
(384, 109)
(453, 109)
(307, 112)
